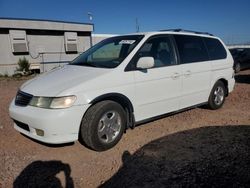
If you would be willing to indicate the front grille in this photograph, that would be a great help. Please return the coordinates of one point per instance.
(22, 98)
(22, 125)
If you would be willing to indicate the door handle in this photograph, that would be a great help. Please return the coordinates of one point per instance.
(187, 73)
(175, 75)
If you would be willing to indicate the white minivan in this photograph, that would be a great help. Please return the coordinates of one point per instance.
(123, 81)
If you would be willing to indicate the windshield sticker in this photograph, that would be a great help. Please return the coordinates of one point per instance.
(127, 42)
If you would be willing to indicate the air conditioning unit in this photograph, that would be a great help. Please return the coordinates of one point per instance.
(18, 41)
(70, 42)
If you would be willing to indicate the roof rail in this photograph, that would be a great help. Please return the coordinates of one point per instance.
(188, 31)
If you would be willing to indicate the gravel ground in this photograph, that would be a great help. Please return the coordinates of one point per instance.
(196, 148)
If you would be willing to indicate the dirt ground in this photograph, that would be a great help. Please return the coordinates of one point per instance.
(195, 148)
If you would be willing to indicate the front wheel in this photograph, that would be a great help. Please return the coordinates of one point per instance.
(103, 125)
(217, 96)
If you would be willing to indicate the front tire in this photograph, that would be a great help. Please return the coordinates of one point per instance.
(217, 96)
(103, 125)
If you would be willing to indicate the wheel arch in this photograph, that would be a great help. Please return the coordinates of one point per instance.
(123, 101)
(225, 82)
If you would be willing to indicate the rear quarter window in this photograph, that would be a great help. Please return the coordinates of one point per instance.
(215, 49)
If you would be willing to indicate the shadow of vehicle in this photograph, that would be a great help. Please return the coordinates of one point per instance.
(44, 174)
(242, 78)
(202, 157)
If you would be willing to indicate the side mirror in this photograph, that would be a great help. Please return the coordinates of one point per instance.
(145, 63)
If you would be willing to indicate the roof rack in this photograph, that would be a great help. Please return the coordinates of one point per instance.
(188, 31)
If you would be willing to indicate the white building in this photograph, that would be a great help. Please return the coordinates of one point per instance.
(44, 43)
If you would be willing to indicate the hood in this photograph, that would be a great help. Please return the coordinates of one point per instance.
(58, 80)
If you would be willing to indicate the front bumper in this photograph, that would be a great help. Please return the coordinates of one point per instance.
(58, 125)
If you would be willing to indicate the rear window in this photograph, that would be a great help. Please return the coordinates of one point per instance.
(191, 49)
(215, 49)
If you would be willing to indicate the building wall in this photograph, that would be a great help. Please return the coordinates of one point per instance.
(45, 41)
(52, 47)
(7, 61)
(54, 50)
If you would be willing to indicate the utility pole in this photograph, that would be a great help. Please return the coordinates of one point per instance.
(137, 26)
(90, 15)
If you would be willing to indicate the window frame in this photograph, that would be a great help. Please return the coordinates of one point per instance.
(178, 52)
(131, 65)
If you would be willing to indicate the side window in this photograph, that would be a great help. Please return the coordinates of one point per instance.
(160, 48)
(191, 49)
(215, 49)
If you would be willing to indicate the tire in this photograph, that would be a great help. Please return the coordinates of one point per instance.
(103, 125)
(237, 67)
(217, 96)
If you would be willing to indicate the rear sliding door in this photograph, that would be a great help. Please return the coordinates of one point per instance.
(195, 70)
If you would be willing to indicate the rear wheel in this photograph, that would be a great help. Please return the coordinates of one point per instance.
(217, 96)
(103, 125)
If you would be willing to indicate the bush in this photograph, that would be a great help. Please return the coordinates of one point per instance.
(17, 75)
(5, 75)
(23, 65)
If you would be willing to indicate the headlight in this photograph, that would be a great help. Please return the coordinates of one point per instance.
(53, 102)
(63, 102)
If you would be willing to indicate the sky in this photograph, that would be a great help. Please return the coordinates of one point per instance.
(228, 19)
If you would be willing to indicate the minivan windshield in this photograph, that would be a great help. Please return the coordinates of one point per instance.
(109, 53)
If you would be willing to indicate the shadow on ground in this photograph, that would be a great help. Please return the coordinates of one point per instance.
(45, 174)
(203, 157)
(242, 78)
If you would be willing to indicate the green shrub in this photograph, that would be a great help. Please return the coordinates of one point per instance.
(23, 65)
(17, 75)
(6, 75)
